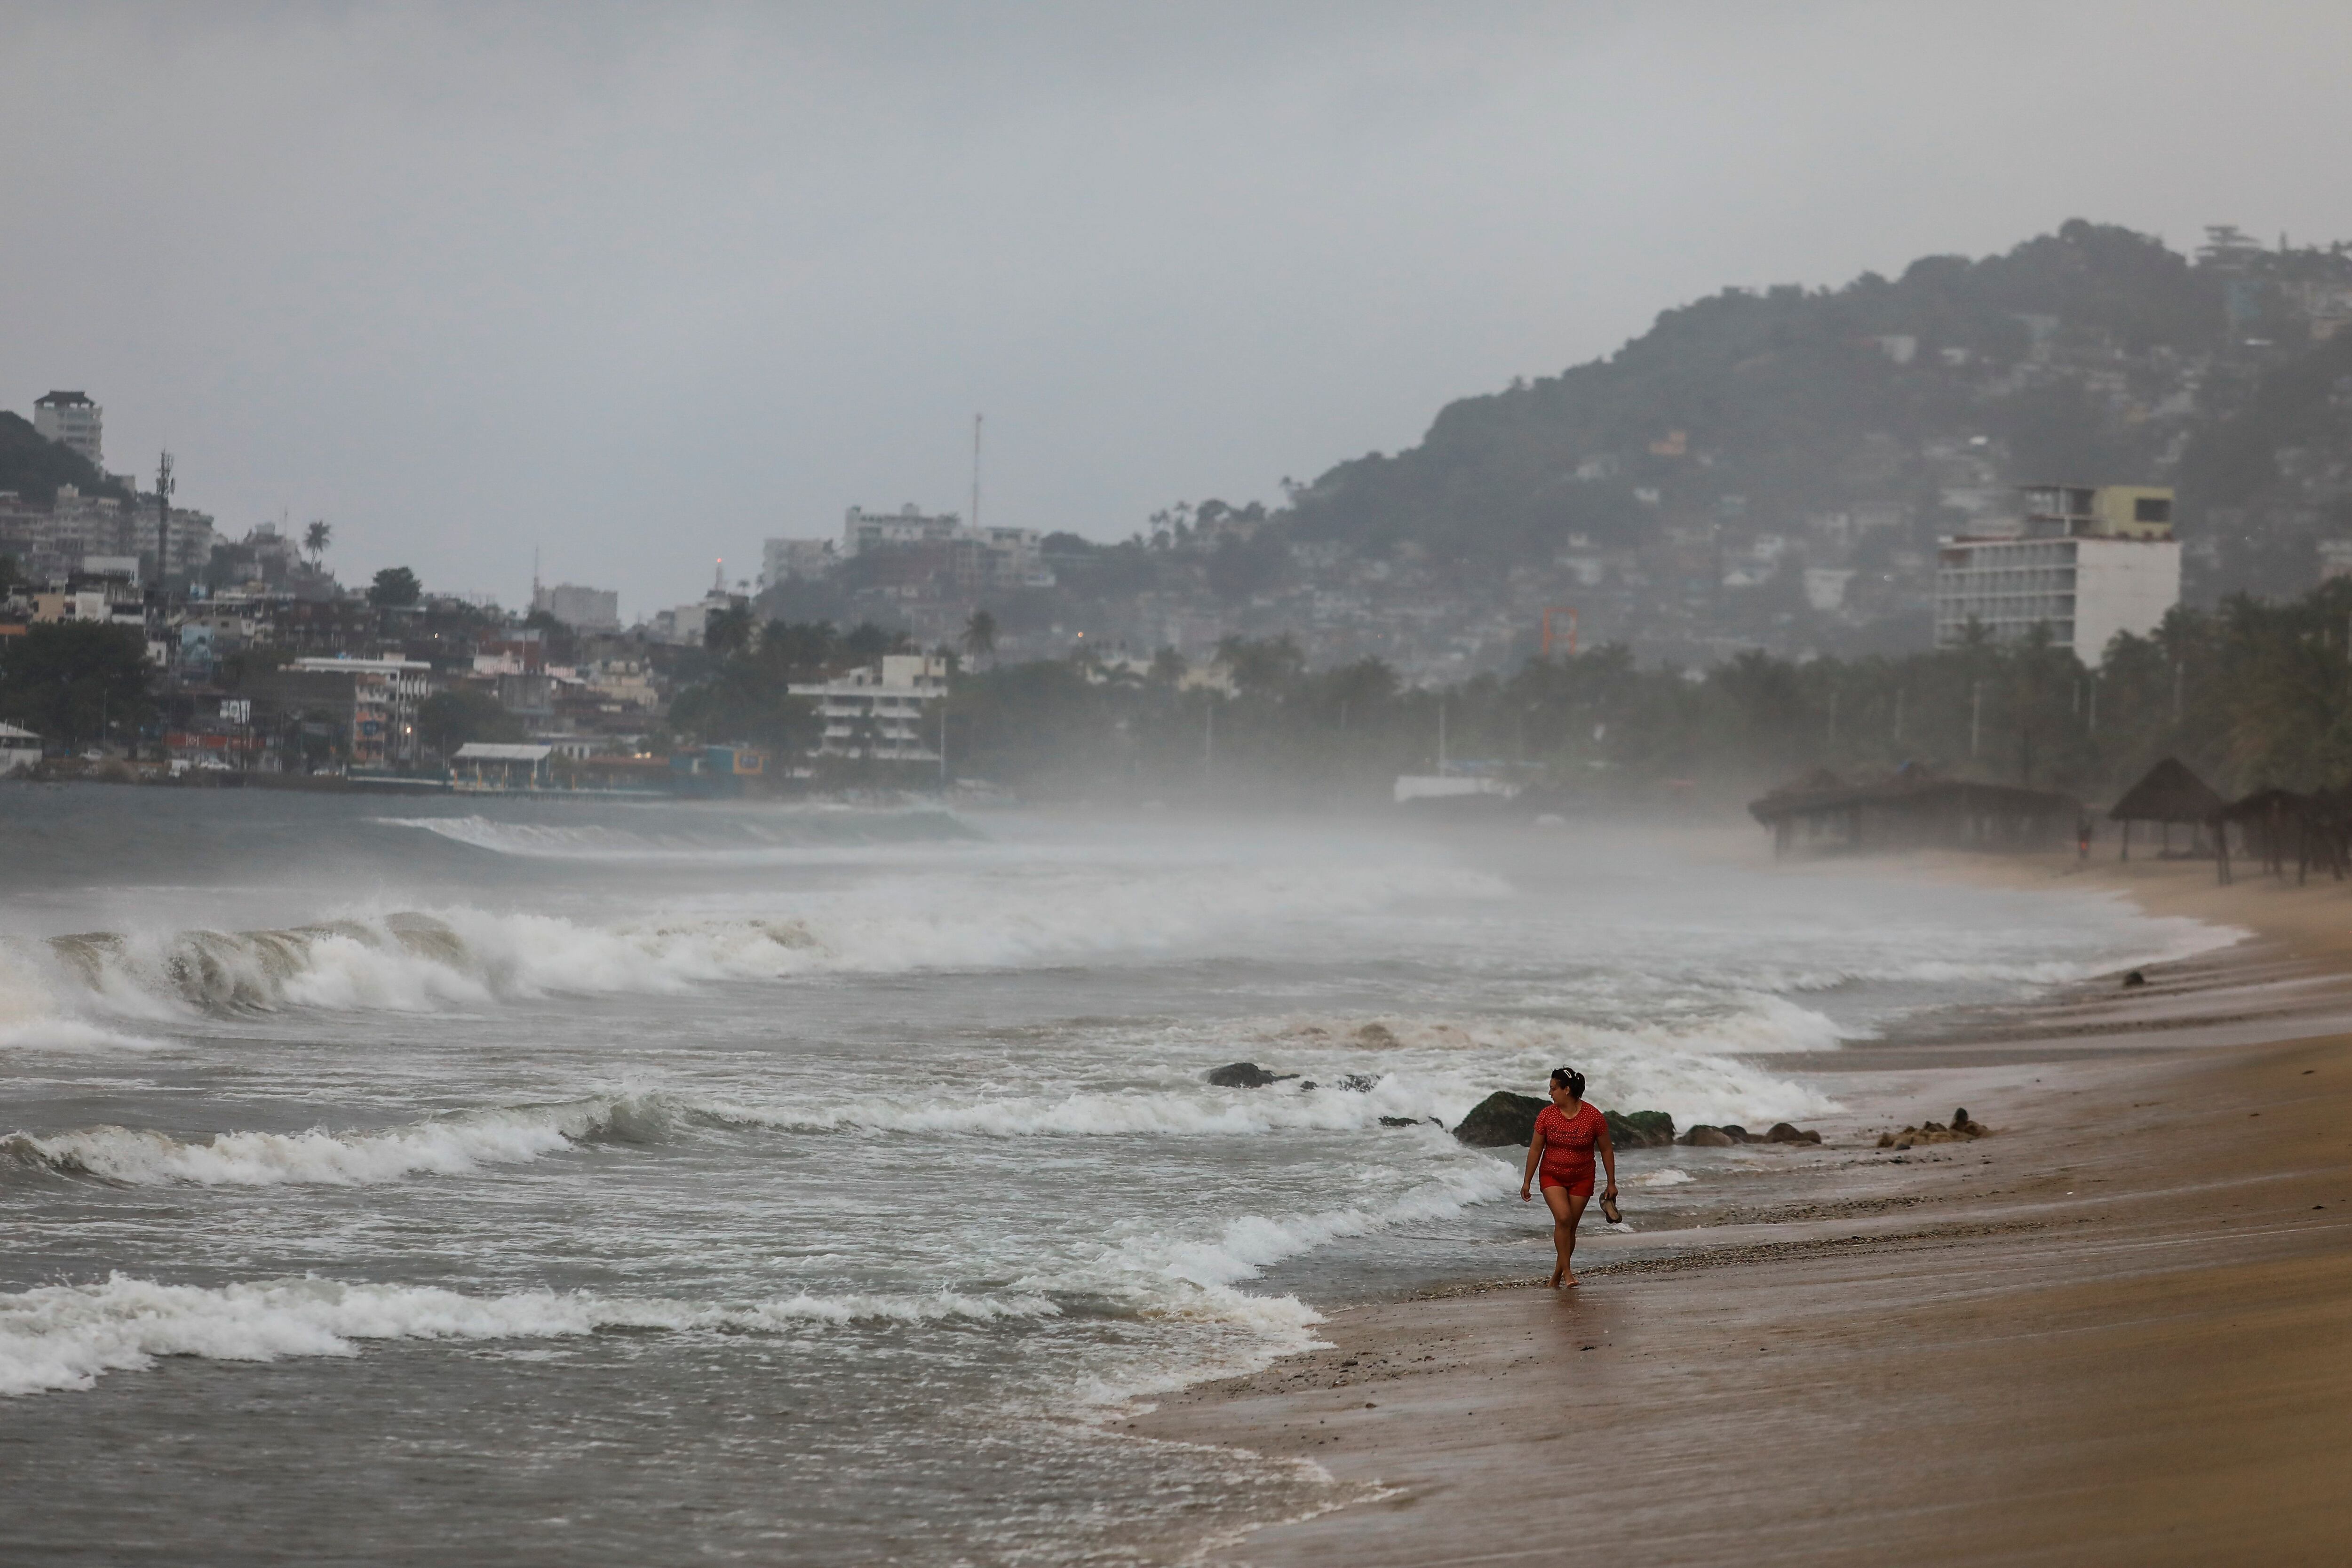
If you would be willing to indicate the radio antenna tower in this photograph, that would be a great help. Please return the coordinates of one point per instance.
(165, 484)
(975, 470)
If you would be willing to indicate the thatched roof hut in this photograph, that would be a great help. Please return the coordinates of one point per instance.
(2268, 821)
(2168, 793)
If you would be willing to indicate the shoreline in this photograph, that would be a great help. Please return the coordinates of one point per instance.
(2109, 1332)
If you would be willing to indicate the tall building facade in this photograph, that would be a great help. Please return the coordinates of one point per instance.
(71, 419)
(2087, 563)
(586, 609)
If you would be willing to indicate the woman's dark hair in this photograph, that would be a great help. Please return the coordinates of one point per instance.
(1569, 1080)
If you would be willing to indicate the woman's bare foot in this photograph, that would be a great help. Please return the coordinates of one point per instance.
(1556, 1275)
(1569, 1281)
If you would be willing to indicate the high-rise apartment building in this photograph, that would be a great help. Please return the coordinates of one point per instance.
(71, 419)
(586, 609)
(2087, 563)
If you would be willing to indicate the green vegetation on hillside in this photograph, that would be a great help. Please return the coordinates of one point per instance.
(34, 466)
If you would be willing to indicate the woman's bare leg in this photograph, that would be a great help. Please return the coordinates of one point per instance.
(1566, 1212)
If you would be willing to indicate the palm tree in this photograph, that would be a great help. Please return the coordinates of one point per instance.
(316, 538)
(980, 636)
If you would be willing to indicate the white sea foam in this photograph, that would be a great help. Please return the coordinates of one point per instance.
(1669, 1177)
(67, 1336)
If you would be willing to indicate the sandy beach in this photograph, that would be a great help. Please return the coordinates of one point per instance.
(2119, 1331)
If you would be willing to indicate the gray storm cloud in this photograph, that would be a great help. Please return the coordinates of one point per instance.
(638, 289)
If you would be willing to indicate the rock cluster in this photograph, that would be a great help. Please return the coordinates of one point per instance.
(1246, 1075)
(1503, 1117)
(1705, 1137)
(1641, 1129)
(1959, 1131)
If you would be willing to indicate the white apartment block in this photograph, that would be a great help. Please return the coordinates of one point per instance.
(783, 559)
(878, 712)
(977, 558)
(2090, 563)
(71, 419)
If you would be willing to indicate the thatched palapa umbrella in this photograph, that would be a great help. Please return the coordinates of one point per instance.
(2169, 794)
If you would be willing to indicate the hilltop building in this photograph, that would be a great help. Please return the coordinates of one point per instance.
(584, 609)
(71, 419)
(944, 555)
(781, 560)
(2087, 563)
(877, 711)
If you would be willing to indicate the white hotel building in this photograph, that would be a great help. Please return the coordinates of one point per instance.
(878, 712)
(2088, 564)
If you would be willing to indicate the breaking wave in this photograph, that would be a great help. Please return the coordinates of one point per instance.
(67, 1336)
(667, 835)
(447, 1146)
(421, 961)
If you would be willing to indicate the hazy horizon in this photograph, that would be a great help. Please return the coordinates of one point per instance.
(640, 291)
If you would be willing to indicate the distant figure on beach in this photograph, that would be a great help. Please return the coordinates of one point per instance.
(1566, 1132)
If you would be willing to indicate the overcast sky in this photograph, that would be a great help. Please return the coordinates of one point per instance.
(639, 286)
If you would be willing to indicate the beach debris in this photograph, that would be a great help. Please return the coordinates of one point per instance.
(1499, 1119)
(1961, 1130)
(1376, 1035)
(2133, 978)
(1246, 1075)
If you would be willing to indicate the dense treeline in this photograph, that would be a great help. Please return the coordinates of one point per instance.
(2251, 694)
(77, 682)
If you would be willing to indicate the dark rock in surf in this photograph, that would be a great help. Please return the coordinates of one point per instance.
(1499, 1119)
(1735, 1132)
(1641, 1129)
(1360, 1083)
(2133, 978)
(1245, 1074)
(1783, 1132)
(1705, 1137)
(1401, 1121)
(1376, 1035)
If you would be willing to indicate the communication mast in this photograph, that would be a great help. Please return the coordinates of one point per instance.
(975, 470)
(165, 484)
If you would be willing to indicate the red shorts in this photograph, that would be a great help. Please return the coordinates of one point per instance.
(1579, 1182)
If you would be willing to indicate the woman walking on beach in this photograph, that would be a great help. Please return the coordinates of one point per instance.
(1568, 1130)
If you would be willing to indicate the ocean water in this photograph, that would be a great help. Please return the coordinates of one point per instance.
(392, 1181)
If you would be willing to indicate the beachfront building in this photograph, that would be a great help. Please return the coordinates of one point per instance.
(488, 767)
(19, 749)
(2086, 562)
(879, 711)
(366, 707)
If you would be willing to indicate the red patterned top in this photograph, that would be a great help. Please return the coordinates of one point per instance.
(1567, 1141)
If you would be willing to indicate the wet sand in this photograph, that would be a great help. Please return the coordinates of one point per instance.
(2117, 1332)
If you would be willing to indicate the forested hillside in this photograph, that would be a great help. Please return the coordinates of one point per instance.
(2093, 354)
(34, 467)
